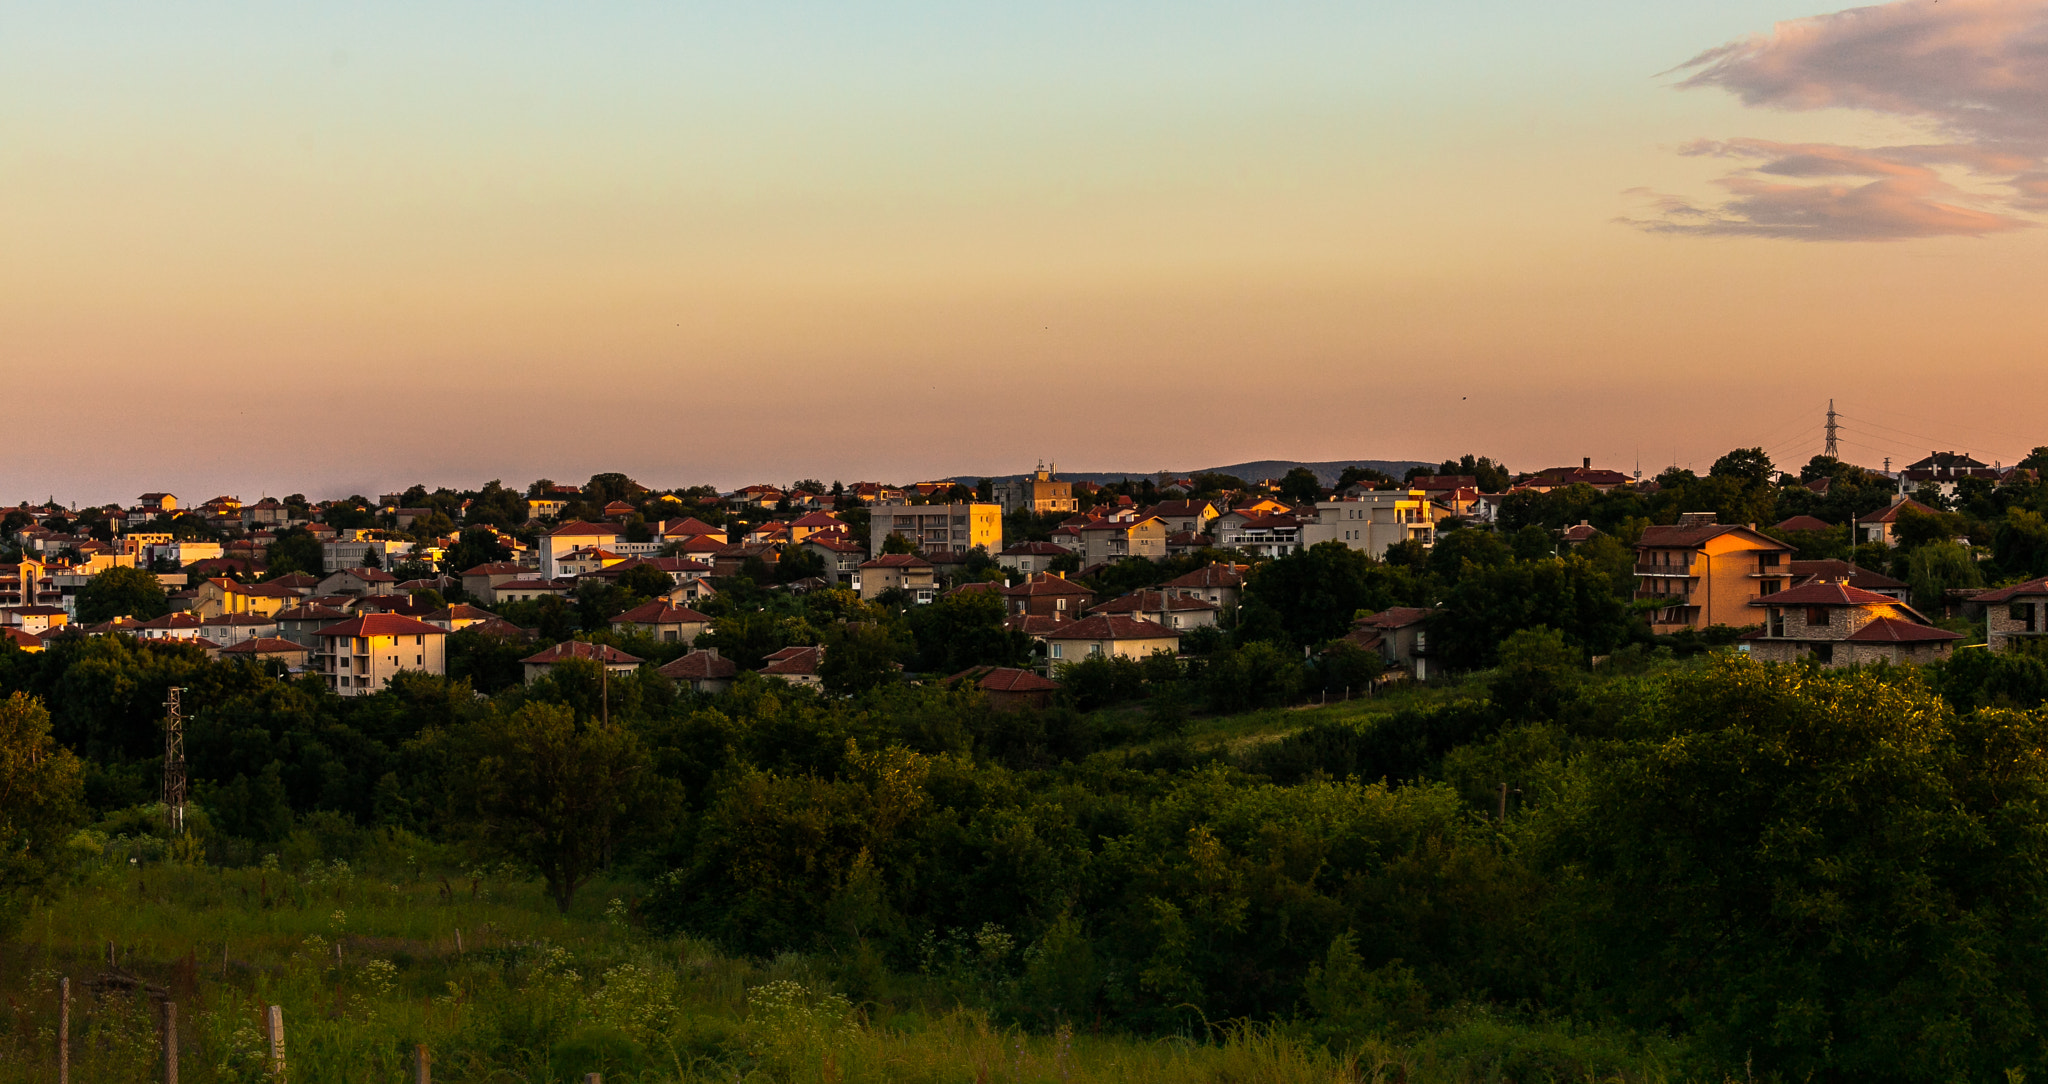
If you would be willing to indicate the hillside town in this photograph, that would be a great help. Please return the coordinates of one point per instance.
(1838, 564)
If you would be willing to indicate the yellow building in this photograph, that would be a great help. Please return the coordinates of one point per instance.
(1709, 573)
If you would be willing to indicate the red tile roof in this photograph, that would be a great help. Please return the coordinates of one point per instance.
(580, 528)
(1843, 570)
(1215, 575)
(264, 645)
(660, 612)
(1898, 630)
(497, 568)
(1825, 594)
(794, 661)
(818, 519)
(1142, 602)
(2038, 586)
(583, 649)
(1395, 617)
(1112, 627)
(1005, 679)
(384, 625)
(1805, 523)
(1033, 549)
(1891, 515)
(700, 666)
(1047, 585)
(897, 560)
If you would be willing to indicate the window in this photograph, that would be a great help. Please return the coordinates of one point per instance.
(1094, 649)
(1825, 653)
(1816, 616)
(1055, 651)
(2022, 612)
(1777, 622)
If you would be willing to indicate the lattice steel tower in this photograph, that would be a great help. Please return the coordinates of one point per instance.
(174, 762)
(1832, 452)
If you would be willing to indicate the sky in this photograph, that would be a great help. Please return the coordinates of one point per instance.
(323, 248)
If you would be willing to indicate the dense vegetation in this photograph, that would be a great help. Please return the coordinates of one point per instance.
(1703, 865)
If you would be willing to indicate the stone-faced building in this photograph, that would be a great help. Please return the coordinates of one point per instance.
(1838, 625)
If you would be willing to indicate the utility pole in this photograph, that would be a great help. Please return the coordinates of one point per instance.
(174, 762)
(1832, 451)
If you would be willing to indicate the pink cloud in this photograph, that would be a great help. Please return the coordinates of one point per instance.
(1974, 70)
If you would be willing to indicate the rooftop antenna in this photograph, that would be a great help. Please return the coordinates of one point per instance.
(174, 761)
(1832, 451)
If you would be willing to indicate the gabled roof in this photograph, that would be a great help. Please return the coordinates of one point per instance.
(310, 612)
(1395, 617)
(1804, 523)
(461, 611)
(2036, 586)
(700, 666)
(1694, 536)
(1826, 594)
(581, 529)
(384, 625)
(1046, 584)
(1898, 630)
(818, 519)
(897, 560)
(171, 621)
(794, 661)
(1891, 515)
(265, 645)
(1144, 602)
(1032, 549)
(835, 543)
(1005, 679)
(583, 649)
(1112, 627)
(660, 612)
(689, 526)
(1212, 575)
(368, 575)
(497, 568)
(534, 585)
(501, 628)
(1846, 572)
(234, 620)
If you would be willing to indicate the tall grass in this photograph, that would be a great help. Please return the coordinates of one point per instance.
(478, 967)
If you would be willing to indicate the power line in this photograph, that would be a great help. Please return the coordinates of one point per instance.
(1831, 451)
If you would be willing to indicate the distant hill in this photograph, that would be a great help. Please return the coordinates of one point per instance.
(1327, 472)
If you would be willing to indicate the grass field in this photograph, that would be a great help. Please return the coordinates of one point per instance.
(482, 971)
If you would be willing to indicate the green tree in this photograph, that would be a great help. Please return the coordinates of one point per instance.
(295, 550)
(1569, 594)
(121, 592)
(40, 793)
(1937, 568)
(1300, 485)
(1314, 593)
(556, 795)
(860, 657)
(965, 629)
(2019, 543)
(1750, 466)
(897, 543)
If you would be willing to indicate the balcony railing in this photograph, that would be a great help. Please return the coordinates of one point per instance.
(1664, 570)
(1677, 598)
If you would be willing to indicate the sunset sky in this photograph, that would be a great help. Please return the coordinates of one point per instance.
(263, 248)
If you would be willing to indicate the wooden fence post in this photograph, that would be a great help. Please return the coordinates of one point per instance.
(273, 1037)
(64, 1031)
(170, 1037)
(422, 1065)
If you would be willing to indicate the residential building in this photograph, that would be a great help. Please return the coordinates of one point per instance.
(301, 624)
(796, 665)
(1216, 582)
(531, 590)
(361, 655)
(1374, 522)
(544, 507)
(611, 658)
(1038, 493)
(569, 537)
(1107, 636)
(665, 622)
(842, 556)
(1707, 573)
(732, 560)
(811, 523)
(1185, 517)
(1268, 536)
(1400, 634)
(34, 620)
(1107, 541)
(227, 630)
(1879, 526)
(1803, 523)
(937, 527)
(1007, 688)
(221, 595)
(21, 638)
(481, 582)
(460, 616)
(702, 670)
(1838, 625)
(267, 649)
(1175, 611)
(357, 582)
(356, 552)
(1544, 481)
(158, 504)
(1049, 595)
(1029, 558)
(895, 571)
(2015, 615)
(1942, 470)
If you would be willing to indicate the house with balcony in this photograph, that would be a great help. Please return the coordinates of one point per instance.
(937, 528)
(896, 572)
(666, 622)
(1375, 521)
(1029, 558)
(1048, 595)
(1400, 634)
(796, 665)
(1837, 625)
(1215, 582)
(2015, 615)
(361, 655)
(1039, 493)
(1107, 541)
(1268, 536)
(1707, 573)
